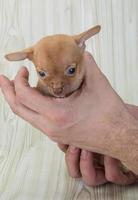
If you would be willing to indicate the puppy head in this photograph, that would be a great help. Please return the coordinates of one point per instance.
(58, 61)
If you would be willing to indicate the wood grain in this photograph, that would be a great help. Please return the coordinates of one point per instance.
(31, 166)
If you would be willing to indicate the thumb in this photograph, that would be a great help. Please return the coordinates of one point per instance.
(94, 77)
(92, 69)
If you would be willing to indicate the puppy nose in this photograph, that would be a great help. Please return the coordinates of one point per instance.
(58, 90)
(57, 84)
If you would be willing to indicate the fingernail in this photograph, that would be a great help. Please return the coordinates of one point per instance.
(73, 149)
(84, 154)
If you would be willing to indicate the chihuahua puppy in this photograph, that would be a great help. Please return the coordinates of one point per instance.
(58, 62)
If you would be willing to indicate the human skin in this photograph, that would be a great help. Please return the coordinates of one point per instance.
(80, 163)
(93, 118)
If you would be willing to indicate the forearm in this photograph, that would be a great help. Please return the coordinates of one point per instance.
(125, 146)
(129, 155)
(121, 143)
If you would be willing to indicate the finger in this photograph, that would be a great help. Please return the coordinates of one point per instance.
(8, 90)
(72, 158)
(30, 97)
(63, 147)
(27, 114)
(115, 175)
(91, 176)
(52, 109)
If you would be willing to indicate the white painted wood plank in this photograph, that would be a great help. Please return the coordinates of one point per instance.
(31, 166)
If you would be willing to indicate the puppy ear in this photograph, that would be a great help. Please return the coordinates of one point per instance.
(81, 38)
(21, 55)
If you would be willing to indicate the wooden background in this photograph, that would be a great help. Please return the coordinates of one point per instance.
(31, 166)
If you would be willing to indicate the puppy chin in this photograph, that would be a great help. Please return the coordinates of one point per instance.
(67, 91)
(71, 89)
(62, 95)
(58, 96)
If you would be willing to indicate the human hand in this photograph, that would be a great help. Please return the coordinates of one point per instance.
(84, 119)
(95, 169)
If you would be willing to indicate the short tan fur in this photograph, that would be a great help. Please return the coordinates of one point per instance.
(58, 60)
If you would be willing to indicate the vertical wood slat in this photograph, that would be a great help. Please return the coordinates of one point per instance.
(31, 166)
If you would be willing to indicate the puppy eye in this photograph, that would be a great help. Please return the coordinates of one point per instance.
(70, 71)
(42, 74)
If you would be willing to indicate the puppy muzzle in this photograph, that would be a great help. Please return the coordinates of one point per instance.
(57, 91)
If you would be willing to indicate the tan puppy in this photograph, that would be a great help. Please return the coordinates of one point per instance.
(58, 62)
